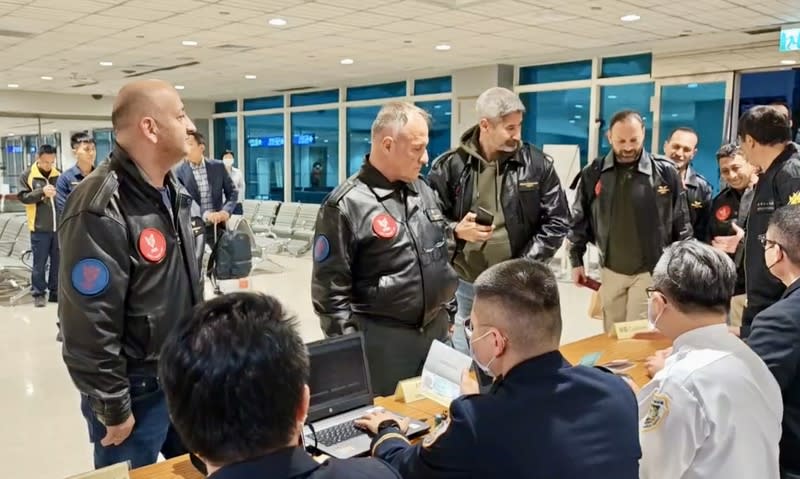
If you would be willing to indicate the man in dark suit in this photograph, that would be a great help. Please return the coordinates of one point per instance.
(208, 181)
(775, 333)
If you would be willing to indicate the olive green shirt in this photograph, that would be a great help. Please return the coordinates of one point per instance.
(624, 254)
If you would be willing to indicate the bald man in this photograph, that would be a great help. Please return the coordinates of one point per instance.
(127, 275)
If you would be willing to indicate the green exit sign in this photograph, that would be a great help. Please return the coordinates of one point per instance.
(790, 39)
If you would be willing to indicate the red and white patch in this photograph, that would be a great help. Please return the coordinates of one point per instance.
(723, 213)
(598, 187)
(152, 245)
(384, 226)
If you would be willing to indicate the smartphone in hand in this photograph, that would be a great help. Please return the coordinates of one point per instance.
(590, 283)
(484, 217)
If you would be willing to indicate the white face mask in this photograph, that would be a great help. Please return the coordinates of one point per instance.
(228, 162)
(653, 321)
(484, 368)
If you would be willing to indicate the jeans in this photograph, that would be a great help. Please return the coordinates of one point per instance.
(464, 295)
(44, 245)
(149, 409)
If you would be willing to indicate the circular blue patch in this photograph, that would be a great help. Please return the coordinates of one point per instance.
(322, 249)
(90, 276)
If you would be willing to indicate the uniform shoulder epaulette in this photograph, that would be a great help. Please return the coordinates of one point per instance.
(336, 195)
(103, 193)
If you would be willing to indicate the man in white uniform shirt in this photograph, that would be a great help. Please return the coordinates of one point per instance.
(715, 409)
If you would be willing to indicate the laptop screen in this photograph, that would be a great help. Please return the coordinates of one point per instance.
(339, 379)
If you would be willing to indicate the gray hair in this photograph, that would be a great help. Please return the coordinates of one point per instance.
(696, 277)
(394, 116)
(497, 102)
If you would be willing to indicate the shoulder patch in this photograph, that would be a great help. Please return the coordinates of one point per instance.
(434, 435)
(794, 198)
(90, 276)
(322, 249)
(659, 410)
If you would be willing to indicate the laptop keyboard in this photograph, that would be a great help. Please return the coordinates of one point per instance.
(339, 433)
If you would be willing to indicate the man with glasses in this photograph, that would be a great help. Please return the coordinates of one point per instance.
(542, 418)
(715, 410)
(85, 152)
(775, 334)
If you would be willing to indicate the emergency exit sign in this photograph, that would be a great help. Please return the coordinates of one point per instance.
(790, 39)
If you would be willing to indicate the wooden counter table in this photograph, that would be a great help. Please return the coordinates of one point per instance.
(635, 350)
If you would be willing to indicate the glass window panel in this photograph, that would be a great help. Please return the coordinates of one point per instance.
(359, 126)
(315, 154)
(263, 150)
(439, 134)
(225, 106)
(430, 86)
(315, 98)
(635, 96)
(700, 106)
(372, 92)
(558, 72)
(558, 117)
(264, 103)
(225, 136)
(104, 143)
(626, 66)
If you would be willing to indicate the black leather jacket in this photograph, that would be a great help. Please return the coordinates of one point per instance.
(402, 277)
(534, 204)
(698, 195)
(127, 275)
(776, 187)
(725, 210)
(662, 210)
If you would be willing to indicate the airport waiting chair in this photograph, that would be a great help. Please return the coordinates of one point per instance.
(281, 232)
(250, 209)
(303, 232)
(15, 259)
(263, 221)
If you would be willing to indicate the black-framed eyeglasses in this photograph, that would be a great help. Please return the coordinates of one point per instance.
(768, 243)
(650, 290)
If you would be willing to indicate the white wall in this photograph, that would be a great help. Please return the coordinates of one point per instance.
(468, 84)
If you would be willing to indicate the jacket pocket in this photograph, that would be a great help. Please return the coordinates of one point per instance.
(144, 334)
(530, 200)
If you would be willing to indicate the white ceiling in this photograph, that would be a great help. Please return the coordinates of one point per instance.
(388, 39)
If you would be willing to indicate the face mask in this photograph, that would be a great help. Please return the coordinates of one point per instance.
(228, 162)
(653, 322)
(484, 368)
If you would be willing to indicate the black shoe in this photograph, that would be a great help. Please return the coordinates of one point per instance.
(53, 298)
(39, 301)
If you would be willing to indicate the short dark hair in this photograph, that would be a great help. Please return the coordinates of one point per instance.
(227, 152)
(80, 137)
(766, 125)
(198, 137)
(525, 294)
(233, 373)
(695, 277)
(623, 115)
(786, 223)
(684, 129)
(781, 103)
(47, 150)
(728, 150)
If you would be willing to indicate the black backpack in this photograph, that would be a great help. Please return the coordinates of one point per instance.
(232, 257)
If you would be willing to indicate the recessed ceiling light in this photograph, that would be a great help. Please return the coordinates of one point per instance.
(691, 85)
(47, 78)
(630, 18)
(179, 87)
(674, 115)
(346, 61)
(577, 117)
(788, 62)
(277, 22)
(572, 121)
(10, 134)
(106, 64)
(612, 97)
(578, 106)
(189, 43)
(250, 77)
(55, 130)
(437, 106)
(12, 85)
(443, 47)
(447, 113)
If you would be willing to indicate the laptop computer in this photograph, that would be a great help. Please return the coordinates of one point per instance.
(341, 392)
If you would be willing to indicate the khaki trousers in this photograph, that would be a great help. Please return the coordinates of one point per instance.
(624, 298)
(737, 309)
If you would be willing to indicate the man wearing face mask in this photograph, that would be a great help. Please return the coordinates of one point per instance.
(631, 205)
(714, 411)
(681, 147)
(493, 171)
(765, 138)
(775, 334)
(542, 418)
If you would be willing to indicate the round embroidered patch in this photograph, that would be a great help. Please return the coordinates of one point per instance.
(152, 245)
(322, 248)
(384, 226)
(723, 213)
(90, 276)
(598, 188)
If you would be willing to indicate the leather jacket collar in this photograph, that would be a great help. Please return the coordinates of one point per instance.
(378, 183)
(645, 164)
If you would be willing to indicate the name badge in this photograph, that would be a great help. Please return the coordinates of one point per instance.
(528, 185)
(434, 214)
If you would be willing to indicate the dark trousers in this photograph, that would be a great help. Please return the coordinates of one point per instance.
(152, 433)
(44, 246)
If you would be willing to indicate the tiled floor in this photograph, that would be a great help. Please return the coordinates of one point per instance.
(43, 433)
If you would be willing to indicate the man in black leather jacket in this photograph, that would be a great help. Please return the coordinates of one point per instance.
(127, 275)
(380, 253)
(681, 147)
(765, 135)
(514, 181)
(650, 212)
